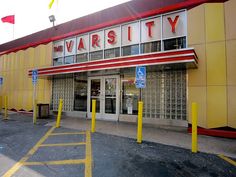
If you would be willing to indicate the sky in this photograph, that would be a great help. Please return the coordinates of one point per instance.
(32, 15)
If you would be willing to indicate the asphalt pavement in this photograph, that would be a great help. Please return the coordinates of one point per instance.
(62, 152)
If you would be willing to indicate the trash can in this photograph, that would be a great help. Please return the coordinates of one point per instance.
(43, 110)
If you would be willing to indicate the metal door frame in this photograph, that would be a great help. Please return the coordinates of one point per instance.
(102, 115)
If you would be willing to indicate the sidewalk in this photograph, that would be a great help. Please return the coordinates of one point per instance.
(169, 135)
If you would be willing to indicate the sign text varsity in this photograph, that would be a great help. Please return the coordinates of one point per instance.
(143, 31)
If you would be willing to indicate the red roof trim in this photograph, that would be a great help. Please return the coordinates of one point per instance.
(183, 5)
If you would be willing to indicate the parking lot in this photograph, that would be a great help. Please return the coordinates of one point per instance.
(45, 151)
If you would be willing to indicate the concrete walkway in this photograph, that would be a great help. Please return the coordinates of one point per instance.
(174, 136)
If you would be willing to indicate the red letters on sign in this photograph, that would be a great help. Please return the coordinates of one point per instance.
(129, 33)
(69, 45)
(111, 37)
(81, 44)
(58, 48)
(95, 40)
(149, 25)
(173, 23)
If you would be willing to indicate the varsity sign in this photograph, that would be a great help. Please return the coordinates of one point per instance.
(147, 30)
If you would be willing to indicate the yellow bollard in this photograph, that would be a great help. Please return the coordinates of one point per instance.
(35, 112)
(59, 114)
(194, 127)
(5, 106)
(140, 122)
(93, 116)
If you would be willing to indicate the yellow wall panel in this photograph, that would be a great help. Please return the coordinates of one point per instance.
(20, 56)
(29, 100)
(9, 62)
(216, 63)
(214, 20)
(197, 77)
(40, 96)
(42, 55)
(36, 56)
(21, 79)
(20, 100)
(4, 63)
(196, 25)
(29, 54)
(216, 106)
(47, 96)
(30, 85)
(1, 64)
(231, 62)
(17, 84)
(230, 14)
(10, 100)
(40, 84)
(48, 84)
(232, 106)
(198, 95)
(48, 57)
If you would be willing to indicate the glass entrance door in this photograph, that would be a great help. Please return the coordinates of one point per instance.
(105, 90)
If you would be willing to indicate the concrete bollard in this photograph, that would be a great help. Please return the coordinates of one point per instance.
(140, 122)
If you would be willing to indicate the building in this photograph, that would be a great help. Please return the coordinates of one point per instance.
(187, 46)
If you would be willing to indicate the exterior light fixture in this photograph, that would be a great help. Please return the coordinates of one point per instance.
(52, 19)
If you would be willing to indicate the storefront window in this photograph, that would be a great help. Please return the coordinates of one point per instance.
(130, 95)
(82, 57)
(151, 47)
(98, 55)
(130, 50)
(177, 43)
(57, 61)
(112, 53)
(80, 101)
(69, 59)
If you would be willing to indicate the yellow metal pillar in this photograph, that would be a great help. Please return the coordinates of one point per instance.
(35, 112)
(194, 127)
(140, 122)
(6, 107)
(59, 113)
(93, 116)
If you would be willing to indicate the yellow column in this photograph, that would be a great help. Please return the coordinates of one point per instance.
(59, 114)
(140, 122)
(93, 116)
(6, 107)
(35, 112)
(194, 127)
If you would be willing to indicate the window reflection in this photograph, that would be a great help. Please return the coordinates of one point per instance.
(176, 43)
(151, 47)
(80, 101)
(130, 50)
(130, 95)
(57, 61)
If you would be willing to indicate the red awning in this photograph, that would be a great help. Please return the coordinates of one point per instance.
(186, 57)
